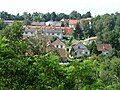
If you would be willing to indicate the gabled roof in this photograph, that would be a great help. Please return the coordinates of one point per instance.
(30, 29)
(62, 52)
(104, 47)
(58, 42)
(38, 23)
(73, 22)
(53, 30)
(78, 42)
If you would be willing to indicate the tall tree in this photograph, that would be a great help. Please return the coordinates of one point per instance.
(53, 16)
(78, 32)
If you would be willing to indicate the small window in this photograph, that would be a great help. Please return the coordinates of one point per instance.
(58, 34)
(31, 32)
(61, 46)
(78, 47)
(80, 52)
(26, 32)
(52, 33)
(86, 52)
(57, 46)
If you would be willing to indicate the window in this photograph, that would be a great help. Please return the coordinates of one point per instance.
(52, 33)
(80, 52)
(26, 32)
(61, 46)
(31, 32)
(58, 34)
(57, 46)
(86, 53)
(78, 47)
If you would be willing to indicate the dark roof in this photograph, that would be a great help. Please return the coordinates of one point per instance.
(30, 29)
(58, 42)
(104, 47)
(53, 30)
(38, 23)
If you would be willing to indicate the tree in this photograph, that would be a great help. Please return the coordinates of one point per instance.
(62, 25)
(14, 32)
(53, 16)
(78, 32)
(2, 25)
(36, 19)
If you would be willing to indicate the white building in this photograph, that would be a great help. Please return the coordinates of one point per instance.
(79, 50)
(58, 44)
(54, 32)
(30, 32)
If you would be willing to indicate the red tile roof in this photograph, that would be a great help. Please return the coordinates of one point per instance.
(74, 22)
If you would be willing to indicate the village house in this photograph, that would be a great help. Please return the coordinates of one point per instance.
(78, 49)
(73, 23)
(66, 30)
(58, 44)
(59, 47)
(54, 32)
(89, 40)
(53, 23)
(29, 32)
(104, 48)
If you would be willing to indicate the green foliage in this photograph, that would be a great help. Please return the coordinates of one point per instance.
(2, 25)
(107, 29)
(19, 71)
(78, 32)
(14, 32)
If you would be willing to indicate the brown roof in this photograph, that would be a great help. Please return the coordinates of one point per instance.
(58, 42)
(104, 47)
(73, 22)
(62, 53)
(49, 48)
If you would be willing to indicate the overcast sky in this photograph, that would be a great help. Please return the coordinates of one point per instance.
(66, 6)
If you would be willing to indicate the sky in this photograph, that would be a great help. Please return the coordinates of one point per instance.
(96, 7)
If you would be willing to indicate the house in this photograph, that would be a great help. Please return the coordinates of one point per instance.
(67, 30)
(58, 44)
(38, 23)
(29, 32)
(53, 23)
(89, 40)
(104, 48)
(58, 32)
(73, 23)
(78, 49)
(59, 47)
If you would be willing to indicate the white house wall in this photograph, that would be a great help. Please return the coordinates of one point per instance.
(55, 34)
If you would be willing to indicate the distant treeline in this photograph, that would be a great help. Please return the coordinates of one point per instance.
(37, 16)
